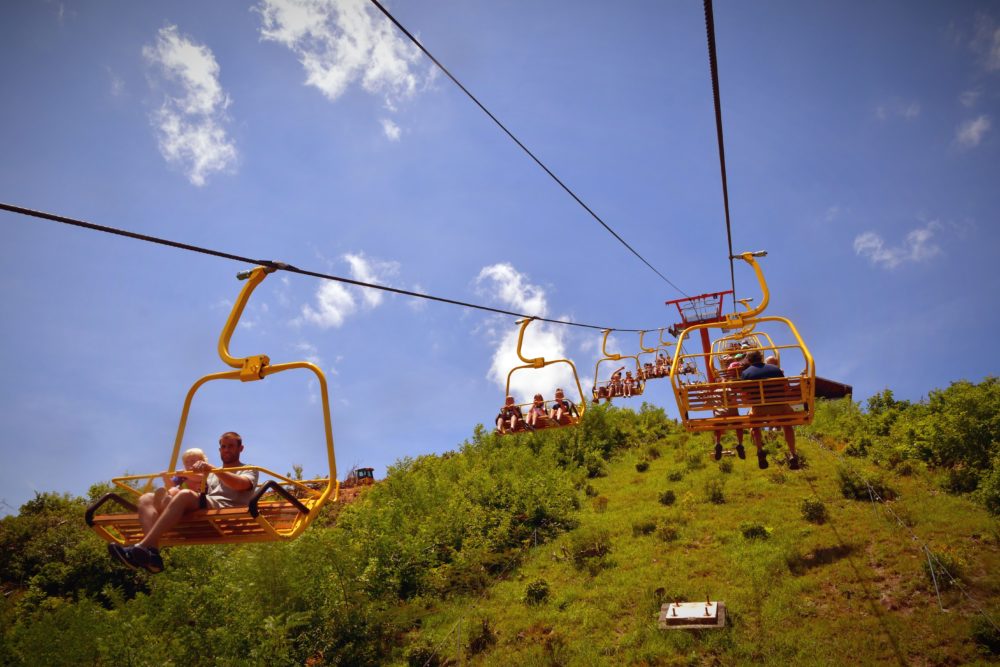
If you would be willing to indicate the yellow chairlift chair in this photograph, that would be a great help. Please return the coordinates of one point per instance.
(721, 403)
(544, 422)
(281, 508)
(606, 389)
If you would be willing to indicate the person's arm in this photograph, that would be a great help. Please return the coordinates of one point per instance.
(241, 481)
(235, 480)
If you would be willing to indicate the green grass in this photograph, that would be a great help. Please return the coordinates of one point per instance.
(852, 589)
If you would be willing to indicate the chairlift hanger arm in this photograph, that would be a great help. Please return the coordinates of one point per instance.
(604, 347)
(737, 319)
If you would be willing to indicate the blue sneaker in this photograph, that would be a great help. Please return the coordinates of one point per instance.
(136, 557)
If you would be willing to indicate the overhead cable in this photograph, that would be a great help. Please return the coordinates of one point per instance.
(712, 61)
(517, 141)
(288, 267)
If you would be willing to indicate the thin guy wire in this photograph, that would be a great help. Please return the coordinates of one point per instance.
(913, 536)
(285, 267)
(713, 64)
(517, 141)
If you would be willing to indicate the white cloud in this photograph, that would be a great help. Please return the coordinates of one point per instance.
(918, 246)
(417, 305)
(340, 42)
(190, 124)
(969, 98)
(335, 301)
(899, 109)
(391, 130)
(832, 213)
(117, 83)
(513, 290)
(310, 351)
(971, 132)
(370, 270)
(986, 41)
(505, 284)
(333, 304)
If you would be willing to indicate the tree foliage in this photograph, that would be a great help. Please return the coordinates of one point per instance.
(346, 592)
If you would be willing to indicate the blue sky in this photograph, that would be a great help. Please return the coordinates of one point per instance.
(862, 148)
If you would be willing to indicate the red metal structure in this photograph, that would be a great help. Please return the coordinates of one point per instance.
(701, 309)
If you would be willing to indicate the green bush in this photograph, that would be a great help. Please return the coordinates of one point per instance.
(989, 489)
(986, 635)
(537, 592)
(668, 497)
(856, 485)
(589, 491)
(961, 480)
(668, 533)
(813, 511)
(752, 530)
(948, 568)
(590, 548)
(713, 492)
(653, 452)
(422, 655)
(642, 466)
(483, 638)
(675, 476)
(643, 527)
(726, 465)
(695, 461)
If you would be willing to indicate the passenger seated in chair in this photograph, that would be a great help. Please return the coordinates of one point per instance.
(628, 384)
(222, 489)
(188, 479)
(615, 384)
(510, 417)
(562, 409)
(537, 413)
(772, 361)
(732, 373)
(758, 370)
(662, 365)
(647, 371)
(601, 392)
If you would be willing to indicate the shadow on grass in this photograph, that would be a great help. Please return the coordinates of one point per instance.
(801, 564)
(870, 596)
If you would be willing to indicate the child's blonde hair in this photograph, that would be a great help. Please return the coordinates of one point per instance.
(194, 452)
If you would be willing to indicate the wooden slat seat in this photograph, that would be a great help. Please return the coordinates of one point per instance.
(747, 403)
(208, 526)
(205, 526)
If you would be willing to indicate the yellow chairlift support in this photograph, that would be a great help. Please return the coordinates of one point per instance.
(541, 362)
(281, 508)
(608, 389)
(730, 404)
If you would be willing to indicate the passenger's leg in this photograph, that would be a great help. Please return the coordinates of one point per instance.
(184, 502)
(758, 443)
(148, 511)
(790, 439)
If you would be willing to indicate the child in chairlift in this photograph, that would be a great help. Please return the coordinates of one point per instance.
(537, 413)
(561, 408)
(510, 416)
(185, 479)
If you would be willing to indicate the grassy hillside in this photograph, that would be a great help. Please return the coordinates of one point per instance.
(558, 548)
(854, 588)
